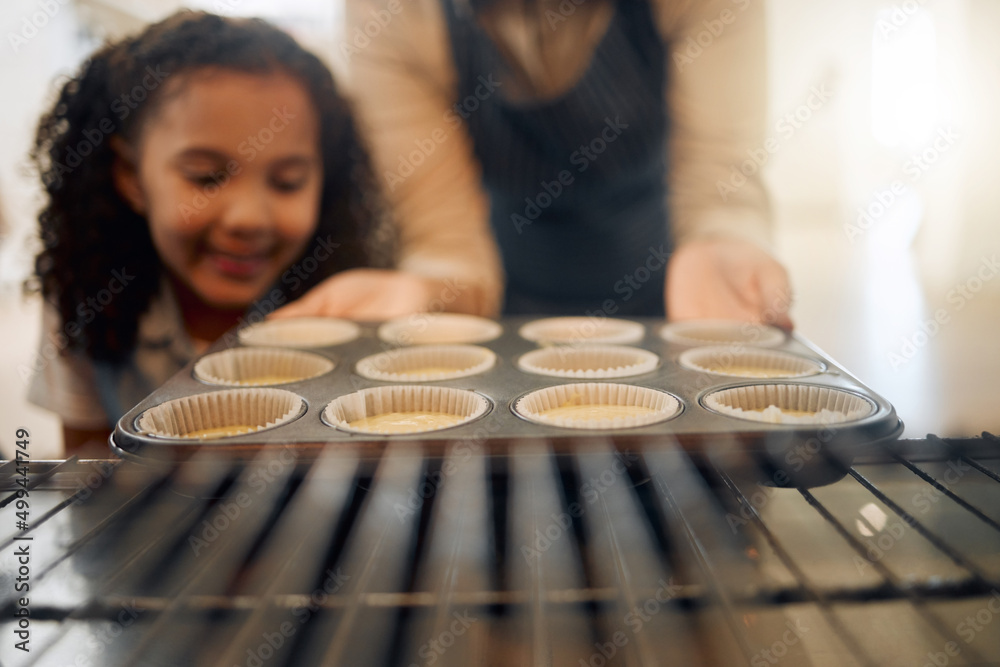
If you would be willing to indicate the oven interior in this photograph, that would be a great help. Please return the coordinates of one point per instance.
(594, 551)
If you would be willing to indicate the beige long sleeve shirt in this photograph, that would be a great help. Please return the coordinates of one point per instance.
(403, 81)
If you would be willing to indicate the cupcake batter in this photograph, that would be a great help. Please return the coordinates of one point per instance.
(220, 432)
(268, 379)
(596, 412)
(750, 371)
(787, 412)
(406, 422)
(775, 415)
(430, 370)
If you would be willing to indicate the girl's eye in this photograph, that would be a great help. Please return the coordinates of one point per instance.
(204, 180)
(289, 184)
(290, 179)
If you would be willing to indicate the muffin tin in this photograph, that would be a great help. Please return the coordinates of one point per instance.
(705, 410)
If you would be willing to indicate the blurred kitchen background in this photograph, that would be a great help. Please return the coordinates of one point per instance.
(886, 191)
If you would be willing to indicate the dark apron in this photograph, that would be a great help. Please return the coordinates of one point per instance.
(576, 183)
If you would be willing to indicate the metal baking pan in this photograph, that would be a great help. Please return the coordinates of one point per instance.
(502, 385)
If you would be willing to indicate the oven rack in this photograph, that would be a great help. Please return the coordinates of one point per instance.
(617, 550)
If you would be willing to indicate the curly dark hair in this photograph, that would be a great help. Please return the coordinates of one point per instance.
(88, 229)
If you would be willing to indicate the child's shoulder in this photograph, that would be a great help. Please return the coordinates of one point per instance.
(84, 391)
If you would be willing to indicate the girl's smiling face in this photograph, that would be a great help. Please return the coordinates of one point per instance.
(228, 174)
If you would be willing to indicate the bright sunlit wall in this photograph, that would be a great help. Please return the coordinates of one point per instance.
(902, 75)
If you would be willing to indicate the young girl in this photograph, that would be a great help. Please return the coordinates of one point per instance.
(192, 170)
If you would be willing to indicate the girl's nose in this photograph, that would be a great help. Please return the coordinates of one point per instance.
(247, 209)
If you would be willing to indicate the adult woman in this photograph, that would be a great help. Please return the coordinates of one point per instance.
(591, 139)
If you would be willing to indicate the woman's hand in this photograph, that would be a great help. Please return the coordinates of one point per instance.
(364, 294)
(727, 279)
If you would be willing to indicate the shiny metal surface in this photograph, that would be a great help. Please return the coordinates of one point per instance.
(505, 383)
(609, 552)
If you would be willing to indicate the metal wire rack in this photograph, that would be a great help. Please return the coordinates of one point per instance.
(609, 551)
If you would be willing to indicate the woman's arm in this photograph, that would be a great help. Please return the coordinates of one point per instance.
(402, 82)
(717, 95)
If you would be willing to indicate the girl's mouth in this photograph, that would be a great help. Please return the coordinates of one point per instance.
(238, 265)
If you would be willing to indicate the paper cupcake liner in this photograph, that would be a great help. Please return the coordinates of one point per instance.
(783, 403)
(748, 362)
(412, 402)
(720, 332)
(427, 363)
(656, 406)
(576, 330)
(220, 414)
(439, 328)
(300, 332)
(588, 361)
(257, 366)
